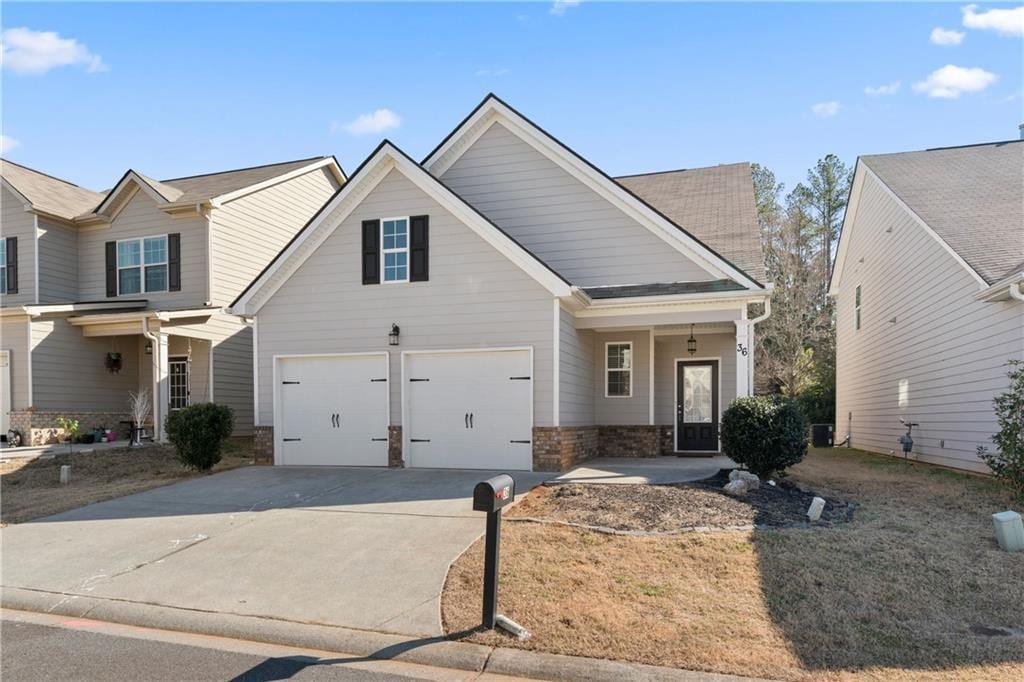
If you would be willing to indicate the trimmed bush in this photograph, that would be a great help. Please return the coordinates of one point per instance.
(1007, 462)
(765, 434)
(198, 433)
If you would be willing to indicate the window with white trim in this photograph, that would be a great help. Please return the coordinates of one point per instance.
(394, 252)
(618, 366)
(856, 308)
(3, 266)
(142, 265)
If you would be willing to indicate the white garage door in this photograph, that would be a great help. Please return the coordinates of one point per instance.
(333, 410)
(468, 409)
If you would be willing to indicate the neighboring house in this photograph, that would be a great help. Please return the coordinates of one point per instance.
(506, 305)
(929, 308)
(142, 271)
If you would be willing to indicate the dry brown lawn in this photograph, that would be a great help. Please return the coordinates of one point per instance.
(30, 489)
(906, 591)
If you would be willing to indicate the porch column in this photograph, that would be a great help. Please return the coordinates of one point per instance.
(742, 358)
(161, 386)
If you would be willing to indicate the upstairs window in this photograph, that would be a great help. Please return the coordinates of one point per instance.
(3, 266)
(142, 265)
(618, 370)
(395, 249)
(856, 308)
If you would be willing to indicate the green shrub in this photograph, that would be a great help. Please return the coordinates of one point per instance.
(198, 433)
(1007, 464)
(765, 434)
(70, 427)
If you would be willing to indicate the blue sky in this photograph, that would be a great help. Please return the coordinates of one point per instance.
(178, 89)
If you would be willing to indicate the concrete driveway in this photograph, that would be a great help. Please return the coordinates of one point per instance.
(361, 548)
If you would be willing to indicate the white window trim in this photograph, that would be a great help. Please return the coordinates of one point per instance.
(3, 266)
(607, 369)
(858, 293)
(142, 264)
(383, 251)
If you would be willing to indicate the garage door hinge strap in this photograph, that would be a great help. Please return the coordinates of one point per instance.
(291, 440)
(519, 378)
(378, 439)
(378, 380)
(291, 382)
(419, 379)
(419, 440)
(519, 441)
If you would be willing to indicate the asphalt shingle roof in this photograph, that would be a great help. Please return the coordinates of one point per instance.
(972, 197)
(662, 289)
(203, 187)
(716, 205)
(49, 194)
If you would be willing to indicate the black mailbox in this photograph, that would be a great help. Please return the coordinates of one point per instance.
(494, 493)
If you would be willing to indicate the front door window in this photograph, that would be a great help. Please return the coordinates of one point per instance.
(178, 376)
(697, 406)
(697, 394)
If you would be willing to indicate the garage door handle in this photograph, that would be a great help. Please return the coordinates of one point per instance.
(519, 441)
(419, 440)
(291, 440)
(470, 420)
(466, 419)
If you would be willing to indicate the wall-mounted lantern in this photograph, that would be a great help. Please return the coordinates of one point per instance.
(149, 348)
(691, 343)
(393, 335)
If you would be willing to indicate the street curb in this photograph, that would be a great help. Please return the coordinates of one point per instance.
(432, 651)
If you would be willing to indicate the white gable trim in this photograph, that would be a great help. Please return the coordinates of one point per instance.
(131, 182)
(493, 111)
(328, 162)
(850, 218)
(385, 159)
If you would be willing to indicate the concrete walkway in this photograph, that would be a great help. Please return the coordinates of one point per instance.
(355, 547)
(620, 470)
(58, 449)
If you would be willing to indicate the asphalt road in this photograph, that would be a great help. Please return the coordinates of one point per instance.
(38, 647)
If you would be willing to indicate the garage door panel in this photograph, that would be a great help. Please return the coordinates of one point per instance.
(334, 410)
(475, 404)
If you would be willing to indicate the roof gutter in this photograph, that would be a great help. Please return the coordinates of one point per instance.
(1006, 287)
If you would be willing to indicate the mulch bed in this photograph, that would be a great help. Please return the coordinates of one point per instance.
(678, 507)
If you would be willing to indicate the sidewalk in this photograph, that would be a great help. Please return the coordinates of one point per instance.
(430, 651)
(58, 449)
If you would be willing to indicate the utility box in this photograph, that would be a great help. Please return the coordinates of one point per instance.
(1009, 531)
(822, 435)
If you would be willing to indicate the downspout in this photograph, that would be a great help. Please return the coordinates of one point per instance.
(1015, 291)
(760, 318)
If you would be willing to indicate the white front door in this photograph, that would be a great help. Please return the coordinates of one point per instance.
(178, 382)
(5, 392)
(332, 410)
(468, 409)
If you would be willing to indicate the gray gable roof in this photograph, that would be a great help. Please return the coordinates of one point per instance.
(210, 185)
(972, 197)
(715, 204)
(47, 193)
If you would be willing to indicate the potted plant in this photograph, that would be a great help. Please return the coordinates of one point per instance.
(70, 428)
(113, 362)
(139, 406)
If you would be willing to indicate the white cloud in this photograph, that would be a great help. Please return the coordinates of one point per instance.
(29, 52)
(887, 89)
(942, 36)
(492, 72)
(950, 81)
(7, 144)
(825, 109)
(368, 124)
(1007, 22)
(559, 7)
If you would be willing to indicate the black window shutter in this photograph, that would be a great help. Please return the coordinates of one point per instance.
(174, 262)
(371, 252)
(12, 265)
(111, 269)
(419, 248)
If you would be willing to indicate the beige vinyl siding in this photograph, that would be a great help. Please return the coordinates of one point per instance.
(58, 263)
(232, 362)
(669, 349)
(576, 373)
(554, 215)
(142, 218)
(636, 408)
(197, 351)
(16, 222)
(949, 349)
(68, 371)
(247, 233)
(14, 337)
(476, 298)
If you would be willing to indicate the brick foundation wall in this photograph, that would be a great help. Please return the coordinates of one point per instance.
(263, 444)
(39, 427)
(640, 440)
(666, 440)
(395, 460)
(557, 448)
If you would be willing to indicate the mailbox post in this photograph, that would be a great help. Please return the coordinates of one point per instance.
(491, 496)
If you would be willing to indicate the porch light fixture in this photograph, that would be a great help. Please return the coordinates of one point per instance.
(691, 343)
(149, 348)
(393, 335)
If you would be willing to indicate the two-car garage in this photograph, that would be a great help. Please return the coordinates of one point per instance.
(465, 409)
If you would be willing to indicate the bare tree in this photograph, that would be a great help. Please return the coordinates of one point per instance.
(139, 405)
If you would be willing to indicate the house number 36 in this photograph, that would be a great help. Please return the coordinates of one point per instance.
(741, 349)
